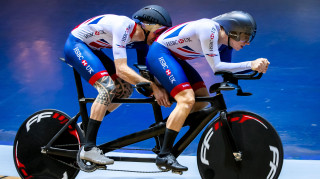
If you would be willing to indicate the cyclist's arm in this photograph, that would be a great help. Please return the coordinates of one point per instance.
(121, 36)
(128, 74)
(208, 36)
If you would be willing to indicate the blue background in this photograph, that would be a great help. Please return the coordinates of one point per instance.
(33, 33)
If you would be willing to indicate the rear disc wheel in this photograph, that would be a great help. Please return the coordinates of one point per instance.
(36, 132)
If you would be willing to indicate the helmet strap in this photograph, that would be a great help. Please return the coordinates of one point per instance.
(229, 43)
(146, 33)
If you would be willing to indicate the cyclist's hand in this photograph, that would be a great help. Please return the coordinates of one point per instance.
(161, 95)
(260, 65)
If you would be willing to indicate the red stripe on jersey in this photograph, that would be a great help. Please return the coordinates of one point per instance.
(198, 85)
(173, 28)
(134, 30)
(96, 45)
(179, 88)
(181, 56)
(97, 76)
(84, 22)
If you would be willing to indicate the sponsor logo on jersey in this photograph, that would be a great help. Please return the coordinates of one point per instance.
(186, 85)
(211, 45)
(91, 34)
(180, 41)
(126, 34)
(104, 73)
(166, 69)
(78, 53)
(83, 61)
(213, 30)
(212, 36)
(168, 72)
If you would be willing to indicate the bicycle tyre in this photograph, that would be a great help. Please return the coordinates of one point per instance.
(35, 132)
(260, 144)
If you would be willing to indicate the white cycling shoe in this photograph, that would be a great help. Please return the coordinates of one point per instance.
(95, 155)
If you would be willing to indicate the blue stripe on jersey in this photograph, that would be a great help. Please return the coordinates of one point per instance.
(188, 48)
(175, 33)
(104, 41)
(96, 20)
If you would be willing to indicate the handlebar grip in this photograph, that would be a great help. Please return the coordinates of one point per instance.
(250, 76)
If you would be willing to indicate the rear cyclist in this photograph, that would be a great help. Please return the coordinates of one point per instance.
(112, 78)
(213, 39)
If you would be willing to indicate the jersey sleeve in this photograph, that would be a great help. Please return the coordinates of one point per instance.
(121, 36)
(208, 34)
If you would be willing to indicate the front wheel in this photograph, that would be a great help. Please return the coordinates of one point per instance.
(259, 144)
(36, 132)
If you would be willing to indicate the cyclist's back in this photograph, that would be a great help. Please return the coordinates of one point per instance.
(106, 31)
(191, 40)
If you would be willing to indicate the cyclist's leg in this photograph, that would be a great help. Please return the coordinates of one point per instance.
(197, 84)
(171, 75)
(123, 88)
(88, 65)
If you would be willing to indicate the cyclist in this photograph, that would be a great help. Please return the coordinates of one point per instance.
(213, 39)
(84, 50)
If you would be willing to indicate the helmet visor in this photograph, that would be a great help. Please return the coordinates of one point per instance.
(246, 37)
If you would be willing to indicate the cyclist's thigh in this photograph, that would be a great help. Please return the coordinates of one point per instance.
(194, 78)
(82, 58)
(107, 62)
(166, 69)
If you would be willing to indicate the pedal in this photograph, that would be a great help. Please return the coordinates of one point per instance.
(163, 168)
(177, 172)
(87, 168)
(101, 167)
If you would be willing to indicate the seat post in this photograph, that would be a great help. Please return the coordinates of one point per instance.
(82, 105)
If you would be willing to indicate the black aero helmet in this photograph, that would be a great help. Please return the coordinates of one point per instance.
(153, 14)
(238, 25)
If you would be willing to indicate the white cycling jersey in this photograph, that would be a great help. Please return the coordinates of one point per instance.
(107, 31)
(196, 39)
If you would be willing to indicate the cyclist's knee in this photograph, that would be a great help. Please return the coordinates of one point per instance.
(106, 89)
(123, 89)
(186, 99)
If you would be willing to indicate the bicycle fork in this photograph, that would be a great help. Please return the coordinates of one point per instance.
(230, 137)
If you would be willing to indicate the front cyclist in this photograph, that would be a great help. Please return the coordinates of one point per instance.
(83, 50)
(209, 38)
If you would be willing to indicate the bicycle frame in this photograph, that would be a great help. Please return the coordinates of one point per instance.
(197, 121)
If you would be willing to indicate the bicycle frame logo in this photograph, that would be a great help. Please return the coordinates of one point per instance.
(274, 163)
(37, 118)
(205, 146)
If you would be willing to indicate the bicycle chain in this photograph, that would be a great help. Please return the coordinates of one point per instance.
(114, 170)
(114, 148)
